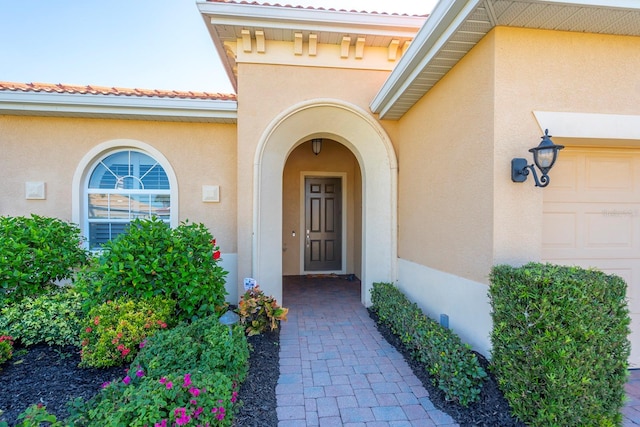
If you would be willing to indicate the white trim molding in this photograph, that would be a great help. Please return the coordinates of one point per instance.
(364, 136)
(81, 175)
(589, 125)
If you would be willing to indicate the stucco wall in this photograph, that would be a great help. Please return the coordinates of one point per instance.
(334, 157)
(459, 211)
(445, 180)
(50, 149)
(540, 70)
(266, 91)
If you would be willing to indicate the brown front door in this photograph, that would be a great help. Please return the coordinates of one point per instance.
(323, 224)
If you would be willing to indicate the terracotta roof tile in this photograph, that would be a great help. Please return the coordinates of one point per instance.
(256, 3)
(118, 91)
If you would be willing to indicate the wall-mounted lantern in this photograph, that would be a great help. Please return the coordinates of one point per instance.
(316, 145)
(544, 156)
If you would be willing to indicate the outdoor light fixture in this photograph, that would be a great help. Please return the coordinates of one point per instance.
(230, 318)
(316, 145)
(544, 156)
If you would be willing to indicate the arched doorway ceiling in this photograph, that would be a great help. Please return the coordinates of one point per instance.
(363, 135)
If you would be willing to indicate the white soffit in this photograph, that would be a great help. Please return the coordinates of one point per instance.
(455, 26)
(589, 125)
(118, 107)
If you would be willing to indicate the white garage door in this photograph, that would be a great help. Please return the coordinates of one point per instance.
(592, 219)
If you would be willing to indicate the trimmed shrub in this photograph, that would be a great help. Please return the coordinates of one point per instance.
(34, 252)
(114, 331)
(54, 318)
(560, 345)
(203, 346)
(454, 367)
(152, 259)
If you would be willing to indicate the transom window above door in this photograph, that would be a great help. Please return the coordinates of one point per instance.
(123, 186)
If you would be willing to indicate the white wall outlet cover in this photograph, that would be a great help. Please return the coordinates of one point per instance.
(211, 193)
(35, 191)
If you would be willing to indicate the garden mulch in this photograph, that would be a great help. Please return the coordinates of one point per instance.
(51, 376)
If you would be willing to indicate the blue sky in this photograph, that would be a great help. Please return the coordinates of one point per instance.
(150, 44)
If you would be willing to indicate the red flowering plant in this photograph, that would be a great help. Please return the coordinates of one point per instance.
(6, 348)
(114, 331)
(216, 250)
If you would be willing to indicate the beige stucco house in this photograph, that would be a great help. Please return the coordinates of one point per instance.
(416, 119)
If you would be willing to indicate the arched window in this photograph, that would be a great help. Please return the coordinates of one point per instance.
(123, 186)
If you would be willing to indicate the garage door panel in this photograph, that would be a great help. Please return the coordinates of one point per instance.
(591, 219)
(565, 175)
(605, 231)
(611, 173)
(562, 229)
(580, 230)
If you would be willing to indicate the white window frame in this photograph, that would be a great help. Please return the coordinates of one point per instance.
(90, 161)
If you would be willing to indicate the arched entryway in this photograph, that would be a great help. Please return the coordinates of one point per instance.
(365, 138)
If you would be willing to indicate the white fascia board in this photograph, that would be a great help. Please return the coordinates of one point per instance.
(234, 14)
(444, 21)
(589, 125)
(616, 4)
(117, 105)
(219, 45)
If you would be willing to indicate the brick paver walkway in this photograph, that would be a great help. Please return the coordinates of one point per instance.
(631, 410)
(337, 370)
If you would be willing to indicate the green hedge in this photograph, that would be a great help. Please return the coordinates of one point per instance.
(34, 252)
(453, 365)
(560, 345)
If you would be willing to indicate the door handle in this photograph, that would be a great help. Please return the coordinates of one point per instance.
(308, 239)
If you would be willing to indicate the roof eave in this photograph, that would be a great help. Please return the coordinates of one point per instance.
(396, 95)
(115, 106)
(444, 20)
(268, 16)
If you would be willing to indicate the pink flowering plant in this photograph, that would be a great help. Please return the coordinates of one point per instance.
(113, 332)
(172, 400)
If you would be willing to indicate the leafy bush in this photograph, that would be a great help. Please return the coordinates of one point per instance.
(186, 374)
(143, 400)
(34, 416)
(54, 318)
(152, 259)
(34, 252)
(203, 346)
(259, 311)
(455, 368)
(560, 345)
(114, 330)
(6, 348)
